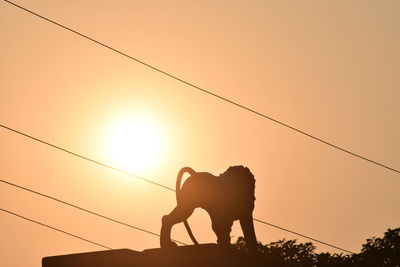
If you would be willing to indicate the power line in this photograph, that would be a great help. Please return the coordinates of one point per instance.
(293, 232)
(146, 180)
(83, 209)
(86, 158)
(207, 91)
(55, 229)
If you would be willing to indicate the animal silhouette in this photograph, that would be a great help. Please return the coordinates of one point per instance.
(226, 198)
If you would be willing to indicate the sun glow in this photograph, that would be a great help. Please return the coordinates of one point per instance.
(135, 144)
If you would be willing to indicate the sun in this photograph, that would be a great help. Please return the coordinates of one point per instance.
(135, 144)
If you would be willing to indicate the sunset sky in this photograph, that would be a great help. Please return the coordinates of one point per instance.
(329, 68)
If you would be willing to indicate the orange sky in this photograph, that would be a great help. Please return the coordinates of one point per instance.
(328, 68)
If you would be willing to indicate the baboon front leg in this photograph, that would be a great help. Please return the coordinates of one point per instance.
(246, 222)
(222, 228)
(179, 214)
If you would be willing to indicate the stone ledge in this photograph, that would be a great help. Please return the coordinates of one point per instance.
(208, 255)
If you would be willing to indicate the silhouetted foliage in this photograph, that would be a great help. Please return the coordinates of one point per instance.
(284, 251)
(381, 251)
(376, 252)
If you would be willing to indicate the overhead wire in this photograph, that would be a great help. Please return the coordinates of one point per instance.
(55, 229)
(147, 180)
(86, 158)
(83, 209)
(241, 106)
(307, 237)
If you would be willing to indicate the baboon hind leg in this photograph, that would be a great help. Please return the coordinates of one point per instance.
(178, 214)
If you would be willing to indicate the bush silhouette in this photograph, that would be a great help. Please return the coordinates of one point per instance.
(376, 252)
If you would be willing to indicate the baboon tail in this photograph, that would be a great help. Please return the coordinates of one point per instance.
(178, 190)
(179, 179)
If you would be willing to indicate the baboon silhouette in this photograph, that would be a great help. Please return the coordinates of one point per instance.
(226, 198)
